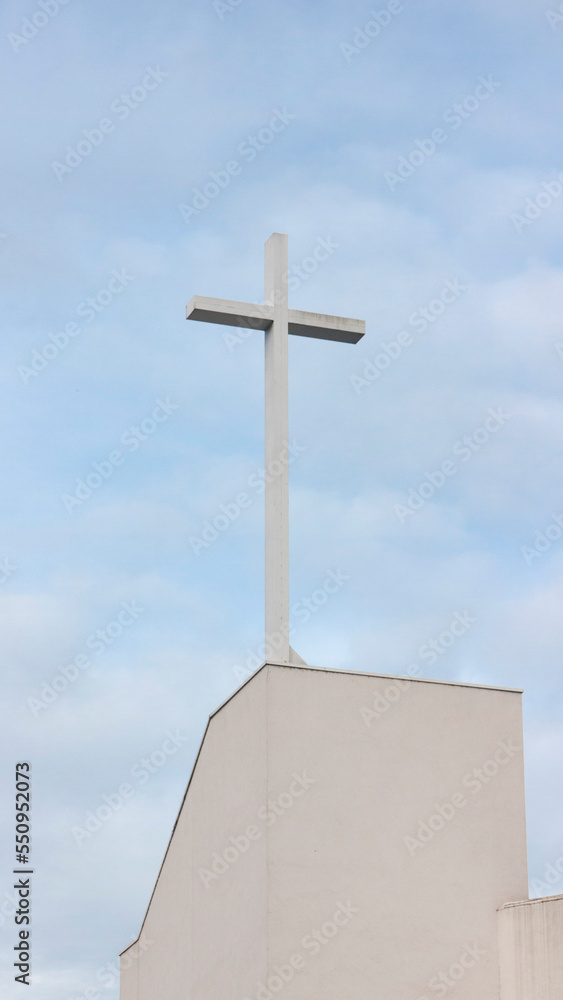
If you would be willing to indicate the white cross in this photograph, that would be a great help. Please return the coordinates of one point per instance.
(277, 320)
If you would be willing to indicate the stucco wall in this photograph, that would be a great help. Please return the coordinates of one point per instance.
(420, 906)
(335, 773)
(531, 949)
(207, 934)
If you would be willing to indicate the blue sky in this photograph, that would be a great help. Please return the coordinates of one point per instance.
(474, 212)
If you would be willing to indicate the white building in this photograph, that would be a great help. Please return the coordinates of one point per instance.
(347, 836)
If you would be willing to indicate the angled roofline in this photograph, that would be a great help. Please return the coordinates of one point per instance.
(291, 666)
(140, 934)
(365, 673)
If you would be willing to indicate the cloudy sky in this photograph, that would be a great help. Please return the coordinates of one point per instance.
(425, 153)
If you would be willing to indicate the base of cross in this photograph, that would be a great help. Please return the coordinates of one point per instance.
(294, 658)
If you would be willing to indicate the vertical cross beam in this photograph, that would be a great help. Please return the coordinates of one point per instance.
(278, 322)
(277, 435)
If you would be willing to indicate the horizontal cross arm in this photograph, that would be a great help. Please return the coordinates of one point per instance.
(229, 313)
(260, 317)
(306, 324)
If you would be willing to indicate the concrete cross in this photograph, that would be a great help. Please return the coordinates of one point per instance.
(277, 320)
